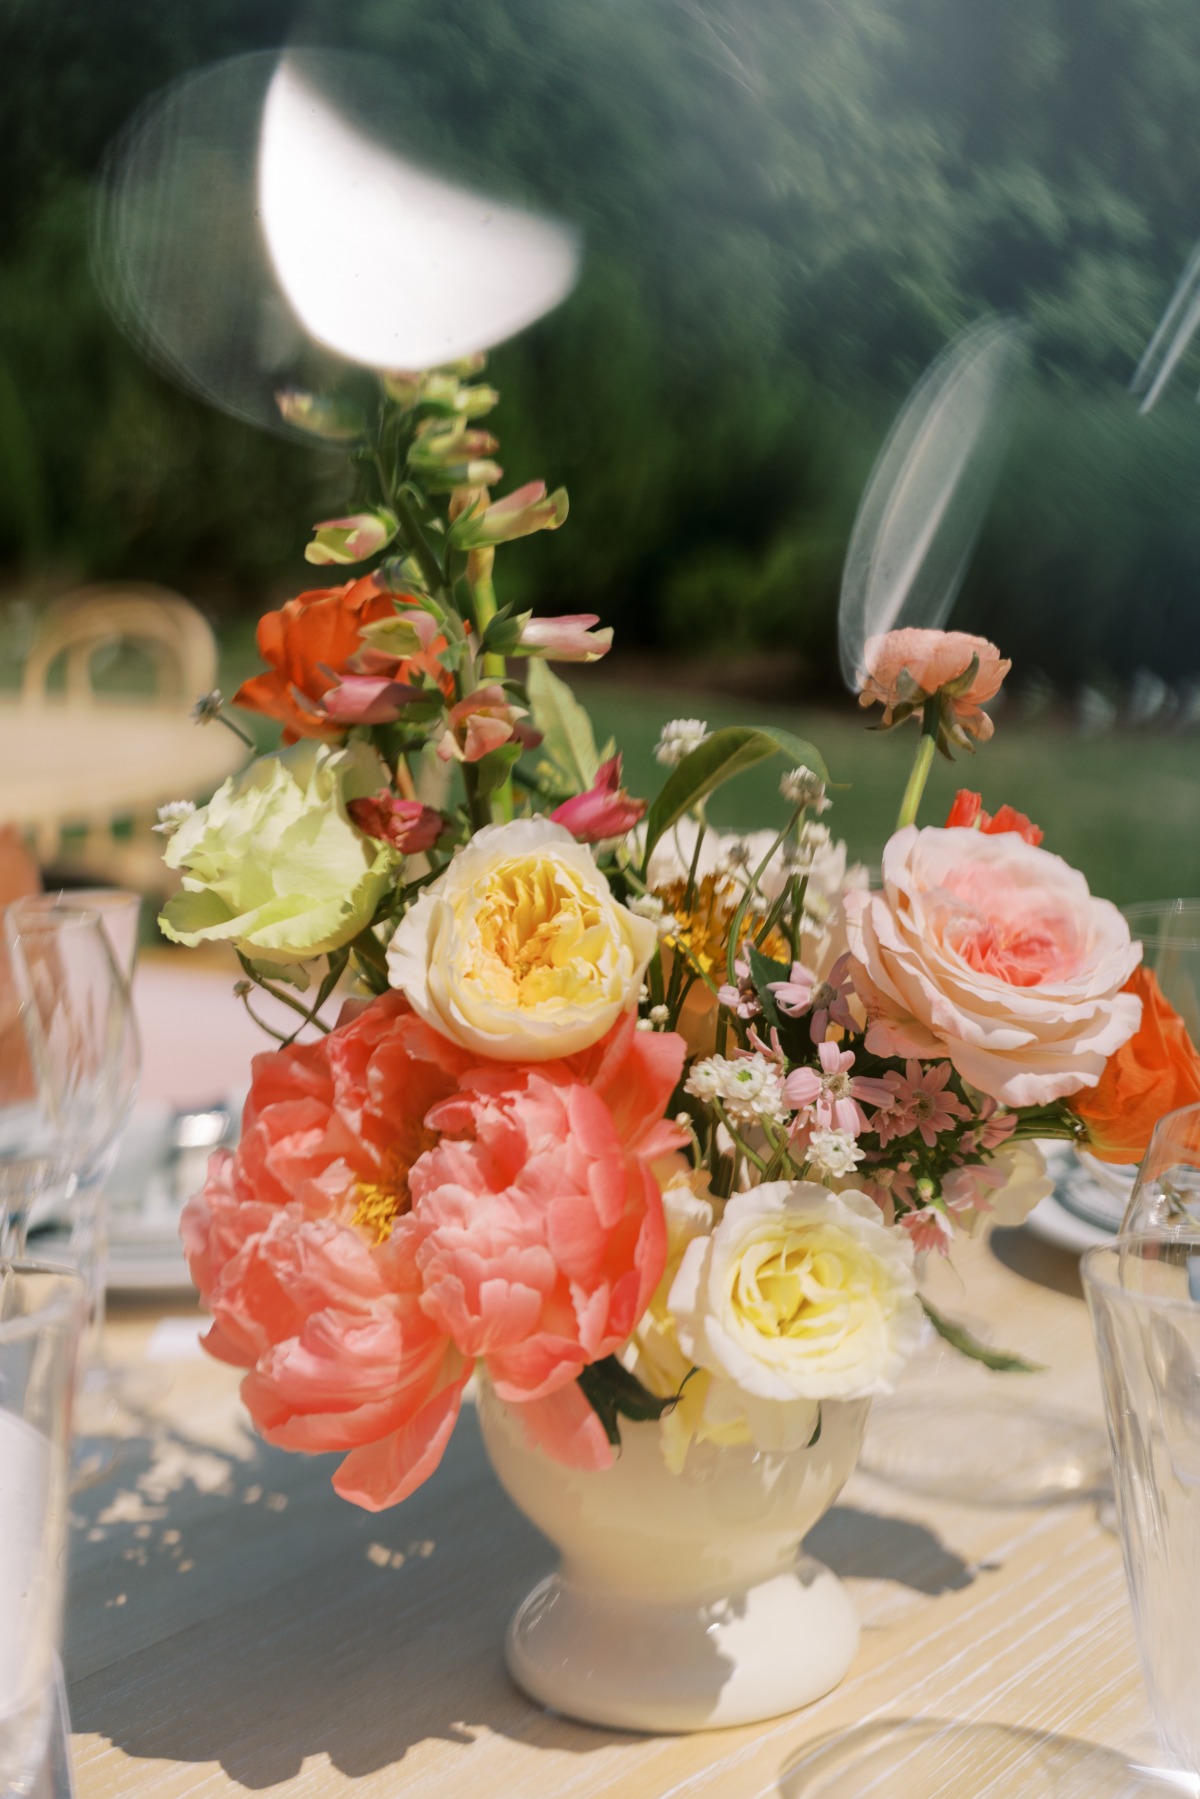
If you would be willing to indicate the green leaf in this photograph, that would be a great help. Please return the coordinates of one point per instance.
(613, 1393)
(291, 974)
(816, 1436)
(491, 769)
(1002, 1361)
(569, 743)
(764, 970)
(725, 754)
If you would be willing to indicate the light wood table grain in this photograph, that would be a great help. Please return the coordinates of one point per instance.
(233, 1626)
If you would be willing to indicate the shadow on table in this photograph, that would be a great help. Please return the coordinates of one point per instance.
(1046, 1264)
(228, 1607)
(872, 1546)
(933, 1758)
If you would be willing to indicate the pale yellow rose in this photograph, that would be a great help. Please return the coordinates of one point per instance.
(273, 864)
(519, 950)
(798, 1294)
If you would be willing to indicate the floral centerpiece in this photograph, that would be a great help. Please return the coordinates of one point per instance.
(644, 1124)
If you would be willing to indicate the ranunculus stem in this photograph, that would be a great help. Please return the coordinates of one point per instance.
(922, 763)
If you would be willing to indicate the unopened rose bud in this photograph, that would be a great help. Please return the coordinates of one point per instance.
(352, 539)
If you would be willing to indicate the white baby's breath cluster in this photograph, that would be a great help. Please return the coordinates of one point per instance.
(750, 1088)
(680, 736)
(802, 787)
(171, 816)
(834, 1153)
(649, 906)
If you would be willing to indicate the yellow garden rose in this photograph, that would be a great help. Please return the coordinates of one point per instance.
(273, 864)
(519, 950)
(798, 1294)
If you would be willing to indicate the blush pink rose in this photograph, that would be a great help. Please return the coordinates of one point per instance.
(302, 1245)
(993, 953)
(544, 1236)
(902, 666)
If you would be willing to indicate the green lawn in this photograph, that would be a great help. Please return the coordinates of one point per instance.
(1123, 808)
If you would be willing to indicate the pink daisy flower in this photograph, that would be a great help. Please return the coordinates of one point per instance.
(828, 1096)
(921, 1099)
(928, 1229)
(827, 1000)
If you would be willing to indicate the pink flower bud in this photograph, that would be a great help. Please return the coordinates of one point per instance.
(407, 825)
(352, 539)
(481, 722)
(566, 639)
(605, 810)
(366, 700)
(529, 509)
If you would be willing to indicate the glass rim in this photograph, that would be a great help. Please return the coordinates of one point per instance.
(23, 916)
(1162, 910)
(55, 1310)
(1090, 1266)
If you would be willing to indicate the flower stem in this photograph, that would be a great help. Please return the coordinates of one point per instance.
(483, 594)
(922, 763)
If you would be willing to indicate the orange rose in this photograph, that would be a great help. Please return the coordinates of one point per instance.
(1155, 1072)
(309, 643)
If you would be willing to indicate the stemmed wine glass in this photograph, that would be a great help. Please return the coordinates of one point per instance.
(1166, 1192)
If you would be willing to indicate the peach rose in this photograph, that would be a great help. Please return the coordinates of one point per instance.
(994, 953)
(903, 669)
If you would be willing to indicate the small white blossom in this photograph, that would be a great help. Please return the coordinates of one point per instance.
(749, 1088)
(172, 815)
(207, 707)
(834, 1152)
(648, 905)
(680, 736)
(659, 1014)
(801, 787)
(684, 1120)
(643, 994)
(643, 1024)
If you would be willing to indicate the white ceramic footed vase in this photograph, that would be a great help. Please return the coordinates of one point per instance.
(681, 1601)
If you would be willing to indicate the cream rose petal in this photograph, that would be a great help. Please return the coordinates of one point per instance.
(519, 950)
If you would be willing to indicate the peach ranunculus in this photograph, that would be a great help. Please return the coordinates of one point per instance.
(544, 1231)
(903, 669)
(992, 952)
(1157, 1071)
(302, 1246)
(308, 644)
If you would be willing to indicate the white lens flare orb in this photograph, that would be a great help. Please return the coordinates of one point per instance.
(384, 262)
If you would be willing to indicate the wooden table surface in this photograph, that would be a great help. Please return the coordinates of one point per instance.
(233, 1626)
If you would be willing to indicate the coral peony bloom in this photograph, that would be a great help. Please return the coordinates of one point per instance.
(302, 1246)
(605, 810)
(993, 953)
(309, 643)
(519, 950)
(543, 1234)
(967, 813)
(903, 669)
(1155, 1072)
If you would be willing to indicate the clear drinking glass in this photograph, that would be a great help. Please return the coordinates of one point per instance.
(1143, 1294)
(41, 1322)
(1166, 1193)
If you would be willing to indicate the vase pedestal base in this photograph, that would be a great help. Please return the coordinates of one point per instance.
(666, 1665)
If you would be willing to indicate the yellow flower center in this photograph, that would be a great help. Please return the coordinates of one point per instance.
(380, 1203)
(541, 936)
(703, 932)
(794, 1288)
